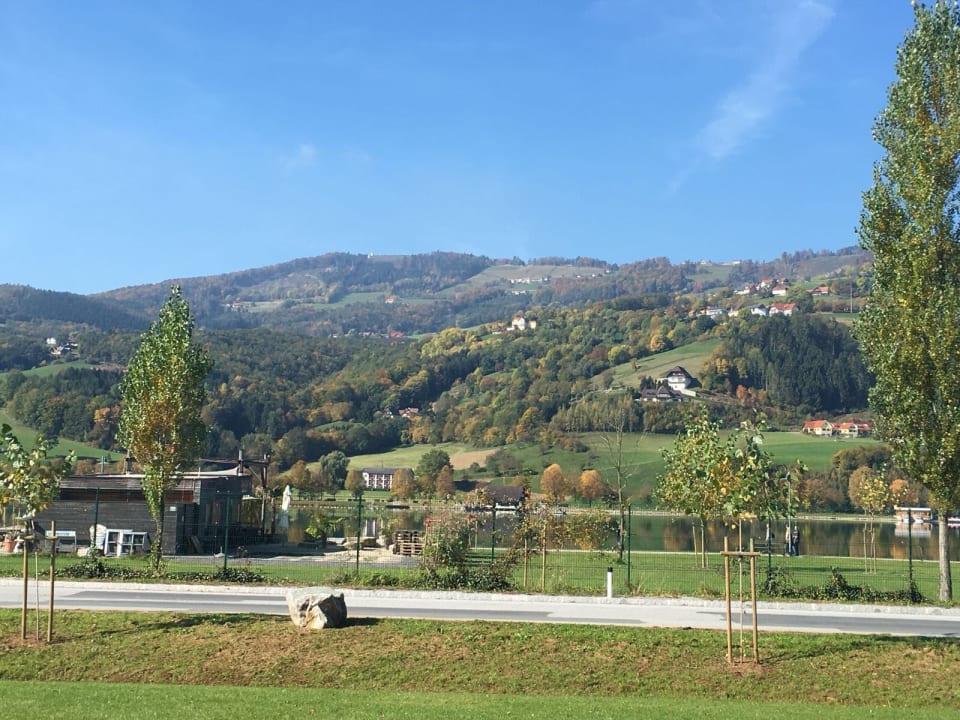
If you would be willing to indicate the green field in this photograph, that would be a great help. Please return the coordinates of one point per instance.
(504, 274)
(54, 368)
(691, 356)
(27, 436)
(642, 453)
(404, 456)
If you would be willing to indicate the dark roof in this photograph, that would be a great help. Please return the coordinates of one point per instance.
(132, 481)
(504, 493)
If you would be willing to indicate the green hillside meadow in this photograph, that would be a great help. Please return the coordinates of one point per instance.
(642, 452)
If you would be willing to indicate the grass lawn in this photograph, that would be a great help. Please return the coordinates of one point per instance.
(406, 456)
(156, 665)
(96, 701)
(575, 572)
(54, 368)
(691, 356)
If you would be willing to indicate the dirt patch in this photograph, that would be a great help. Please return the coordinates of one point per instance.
(462, 461)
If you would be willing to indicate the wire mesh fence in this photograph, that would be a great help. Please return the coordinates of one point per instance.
(560, 552)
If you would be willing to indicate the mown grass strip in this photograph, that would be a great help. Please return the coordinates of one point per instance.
(96, 701)
(483, 658)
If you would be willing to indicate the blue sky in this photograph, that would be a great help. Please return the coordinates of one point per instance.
(143, 141)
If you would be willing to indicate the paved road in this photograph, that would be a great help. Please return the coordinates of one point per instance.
(642, 612)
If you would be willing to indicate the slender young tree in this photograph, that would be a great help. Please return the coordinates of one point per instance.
(689, 480)
(162, 395)
(28, 479)
(869, 492)
(619, 420)
(716, 479)
(910, 325)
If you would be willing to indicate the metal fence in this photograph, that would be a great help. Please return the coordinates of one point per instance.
(843, 558)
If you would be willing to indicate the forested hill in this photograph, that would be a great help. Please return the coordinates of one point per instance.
(339, 373)
(338, 293)
(20, 303)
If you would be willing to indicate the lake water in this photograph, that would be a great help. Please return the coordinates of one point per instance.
(841, 537)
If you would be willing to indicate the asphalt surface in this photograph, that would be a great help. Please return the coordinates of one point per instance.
(925, 621)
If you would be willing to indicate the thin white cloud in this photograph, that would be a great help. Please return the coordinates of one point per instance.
(743, 110)
(356, 155)
(303, 157)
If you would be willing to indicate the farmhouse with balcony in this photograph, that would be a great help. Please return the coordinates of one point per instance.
(680, 381)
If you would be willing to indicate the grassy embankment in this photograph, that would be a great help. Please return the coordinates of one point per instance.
(224, 666)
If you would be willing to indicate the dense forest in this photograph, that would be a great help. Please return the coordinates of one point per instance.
(357, 378)
(19, 303)
(302, 397)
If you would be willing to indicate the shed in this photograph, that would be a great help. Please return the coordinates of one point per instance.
(196, 511)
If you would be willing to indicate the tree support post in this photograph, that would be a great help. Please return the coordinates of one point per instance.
(26, 578)
(727, 554)
(53, 572)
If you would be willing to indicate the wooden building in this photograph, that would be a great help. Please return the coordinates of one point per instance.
(197, 512)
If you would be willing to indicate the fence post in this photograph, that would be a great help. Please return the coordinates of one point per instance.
(359, 529)
(226, 533)
(910, 550)
(96, 519)
(493, 536)
(629, 544)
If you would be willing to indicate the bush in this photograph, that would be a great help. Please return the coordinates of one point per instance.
(779, 584)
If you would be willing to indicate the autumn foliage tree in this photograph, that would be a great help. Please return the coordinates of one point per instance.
(554, 484)
(404, 485)
(443, 485)
(591, 486)
(355, 484)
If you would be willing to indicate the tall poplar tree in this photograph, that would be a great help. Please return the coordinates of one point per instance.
(910, 326)
(162, 395)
